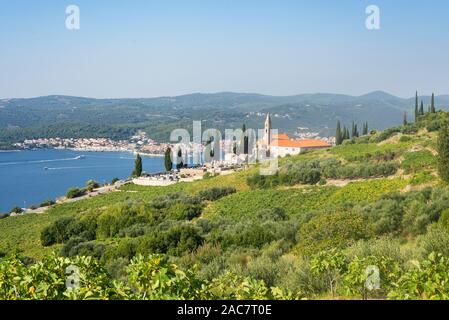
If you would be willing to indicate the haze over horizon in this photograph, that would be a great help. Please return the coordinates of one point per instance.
(171, 48)
(383, 92)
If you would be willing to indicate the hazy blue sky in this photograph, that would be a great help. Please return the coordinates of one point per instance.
(145, 48)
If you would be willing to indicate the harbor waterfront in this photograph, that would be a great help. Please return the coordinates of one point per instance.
(30, 177)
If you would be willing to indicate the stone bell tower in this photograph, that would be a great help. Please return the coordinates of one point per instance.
(268, 127)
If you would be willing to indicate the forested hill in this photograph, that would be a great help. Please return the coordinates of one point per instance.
(66, 116)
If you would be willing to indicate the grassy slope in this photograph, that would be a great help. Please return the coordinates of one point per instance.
(22, 233)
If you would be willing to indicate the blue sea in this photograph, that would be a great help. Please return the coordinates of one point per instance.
(30, 177)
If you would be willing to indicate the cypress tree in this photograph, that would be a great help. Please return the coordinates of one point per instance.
(346, 135)
(416, 107)
(421, 109)
(245, 140)
(365, 128)
(207, 149)
(168, 163)
(432, 106)
(179, 163)
(405, 122)
(443, 153)
(353, 130)
(338, 134)
(137, 172)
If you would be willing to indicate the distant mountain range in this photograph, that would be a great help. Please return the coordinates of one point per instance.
(118, 118)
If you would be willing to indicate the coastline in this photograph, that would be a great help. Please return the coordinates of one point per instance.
(151, 155)
(41, 180)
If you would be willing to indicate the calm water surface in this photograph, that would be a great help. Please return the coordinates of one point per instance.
(30, 177)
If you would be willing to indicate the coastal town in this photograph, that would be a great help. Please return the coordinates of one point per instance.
(138, 143)
(143, 144)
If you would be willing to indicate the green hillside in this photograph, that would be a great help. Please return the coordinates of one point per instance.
(310, 231)
(76, 117)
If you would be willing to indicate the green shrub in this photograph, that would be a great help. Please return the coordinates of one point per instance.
(47, 203)
(370, 277)
(254, 234)
(371, 151)
(422, 177)
(135, 230)
(75, 193)
(385, 216)
(214, 194)
(154, 278)
(292, 173)
(332, 230)
(299, 277)
(388, 133)
(16, 210)
(46, 280)
(405, 138)
(335, 170)
(329, 265)
(119, 217)
(428, 280)
(234, 287)
(275, 214)
(423, 209)
(176, 241)
(366, 191)
(444, 218)
(443, 153)
(414, 161)
(388, 247)
(65, 228)
(435, 240)
(91, 185)
(87, 249)
(268, 270)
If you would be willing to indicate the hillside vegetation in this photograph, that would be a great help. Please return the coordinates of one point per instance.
(310, 231)
(76, 117)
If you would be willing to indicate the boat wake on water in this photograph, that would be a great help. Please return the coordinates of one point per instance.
(41, 161)
(87, 167)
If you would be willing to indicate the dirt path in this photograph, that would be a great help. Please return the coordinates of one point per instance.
(96, 192)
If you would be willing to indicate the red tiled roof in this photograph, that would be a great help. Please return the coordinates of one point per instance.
(301, 143)
(282, 136)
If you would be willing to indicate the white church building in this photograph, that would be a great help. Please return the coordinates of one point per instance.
(281, 145)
